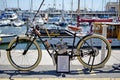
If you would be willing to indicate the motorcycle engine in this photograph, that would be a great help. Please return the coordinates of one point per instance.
(61, 47)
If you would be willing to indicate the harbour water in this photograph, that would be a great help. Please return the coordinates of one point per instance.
(11, 30)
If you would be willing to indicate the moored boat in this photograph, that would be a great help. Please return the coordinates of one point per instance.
(6, 38)
(10, 15)
(112, 31)
(18, 22)
(5, 22)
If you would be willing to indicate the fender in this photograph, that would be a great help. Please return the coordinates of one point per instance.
(9, 49)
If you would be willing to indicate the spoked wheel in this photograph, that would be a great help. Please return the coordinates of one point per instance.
(94, 50)
(24, 54)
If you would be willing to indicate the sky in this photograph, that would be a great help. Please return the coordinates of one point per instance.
(95, 5)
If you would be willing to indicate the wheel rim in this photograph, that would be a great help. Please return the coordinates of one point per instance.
(84, 59)
(27, 61)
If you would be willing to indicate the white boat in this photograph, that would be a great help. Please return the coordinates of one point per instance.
(52, 20)
(84, 24)
(6, 38)
(38, 21)
(10, 15)
(18, 22)
(5, 22)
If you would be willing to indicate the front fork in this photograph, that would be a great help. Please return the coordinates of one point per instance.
(28, 46)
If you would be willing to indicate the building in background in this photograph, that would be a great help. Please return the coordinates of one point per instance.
(112, 6)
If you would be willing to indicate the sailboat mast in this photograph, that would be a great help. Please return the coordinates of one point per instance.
(85, 9)
(4, 4)
(78, 14)
(18, 3)
(31, 5)
(71, 8)
(78, 6)
(54, 4)
(62, 8)
(119, 8)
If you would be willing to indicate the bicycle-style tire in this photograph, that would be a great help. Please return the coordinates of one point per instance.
(20, 61)
(95, 41)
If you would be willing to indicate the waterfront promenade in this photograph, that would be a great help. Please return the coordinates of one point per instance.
(46, 59)
(47, 71)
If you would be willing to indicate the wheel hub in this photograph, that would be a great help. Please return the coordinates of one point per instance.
(95, 51)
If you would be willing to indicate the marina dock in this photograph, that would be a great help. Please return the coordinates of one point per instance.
(46, 59)
(46, 69)
(55, 18)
